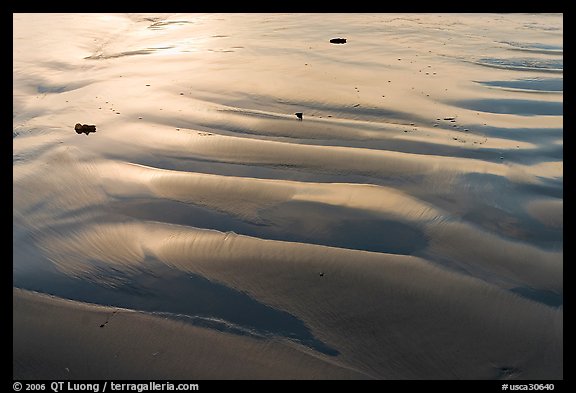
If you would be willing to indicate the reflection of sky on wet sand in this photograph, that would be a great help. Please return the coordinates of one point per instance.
(427, 169)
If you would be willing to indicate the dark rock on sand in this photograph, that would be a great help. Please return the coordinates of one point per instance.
(84, 128)
(338, 41)
(299, 115)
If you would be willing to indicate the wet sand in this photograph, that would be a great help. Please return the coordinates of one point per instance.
(409, 226)
(58, 339)
(132, 345)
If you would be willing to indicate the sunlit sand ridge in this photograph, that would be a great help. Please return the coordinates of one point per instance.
(409, 226)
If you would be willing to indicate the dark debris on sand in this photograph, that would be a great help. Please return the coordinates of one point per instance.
(84, 128)
(338, 41)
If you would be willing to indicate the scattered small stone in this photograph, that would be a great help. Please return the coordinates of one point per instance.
(181, 94)
(338, 41)
(449, 118)
(147, 85)
(506, 372)
(84, 128)
(117, 113)
(321, 274)
(356, 106)
(299, 115)
(139, 118)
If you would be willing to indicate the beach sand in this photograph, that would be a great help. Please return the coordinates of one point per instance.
(408, 226)
(57, 339)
